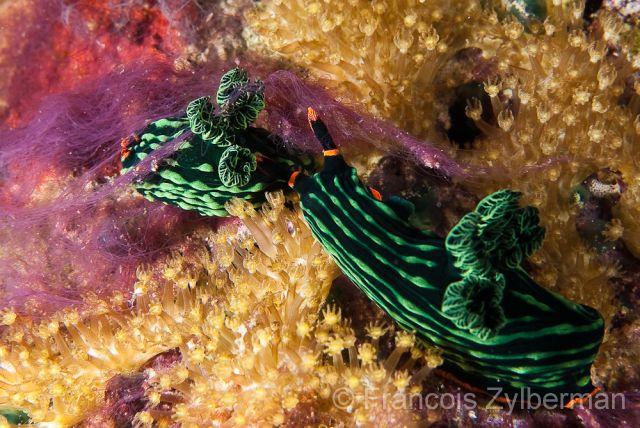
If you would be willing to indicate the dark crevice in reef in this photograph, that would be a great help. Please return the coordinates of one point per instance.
(463, 130)
(439, 203)
(355, 306)
(590, 8)
(458, 81)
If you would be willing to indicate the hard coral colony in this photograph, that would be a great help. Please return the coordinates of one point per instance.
(242, 321)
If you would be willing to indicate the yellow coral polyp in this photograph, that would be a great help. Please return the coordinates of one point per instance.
(79, 360)
(290, 354)
(564, 84)
(332, 315)
(7, 317)
(376, 58)
(376, 330)
(405, 339)
(366, 353)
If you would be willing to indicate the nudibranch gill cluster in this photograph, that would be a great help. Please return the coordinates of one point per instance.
(218, 154)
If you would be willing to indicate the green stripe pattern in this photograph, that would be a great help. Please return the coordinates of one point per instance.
(538, 340)
(221, 157)
(191, 179)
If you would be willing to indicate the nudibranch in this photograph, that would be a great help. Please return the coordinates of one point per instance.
(467, 294)
(220, 156)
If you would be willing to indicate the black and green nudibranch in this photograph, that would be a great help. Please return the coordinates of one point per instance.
(466, 294)
(220, 157)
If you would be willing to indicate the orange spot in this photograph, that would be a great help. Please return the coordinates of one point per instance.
(292, 179)
(375, 193)
(124, 147)
(575, 401)
(312, 115)
(331, 152)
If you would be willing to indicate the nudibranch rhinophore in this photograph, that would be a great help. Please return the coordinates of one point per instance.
(220, 156)
(466, 294)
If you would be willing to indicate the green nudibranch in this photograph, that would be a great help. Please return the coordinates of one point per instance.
(220, 157)
(466, 294)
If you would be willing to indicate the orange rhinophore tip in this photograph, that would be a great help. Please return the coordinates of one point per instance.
(312, 115)
(124, 148)
(375, 193)
(292, 179)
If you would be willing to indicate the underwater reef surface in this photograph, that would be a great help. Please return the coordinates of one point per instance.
(118, 311)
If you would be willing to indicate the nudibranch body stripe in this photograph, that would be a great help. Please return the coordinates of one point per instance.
(191, 184)
(544, 342)
(153, 137)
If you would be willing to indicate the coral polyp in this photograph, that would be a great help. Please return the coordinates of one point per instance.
(246, 322)
(377, 58)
